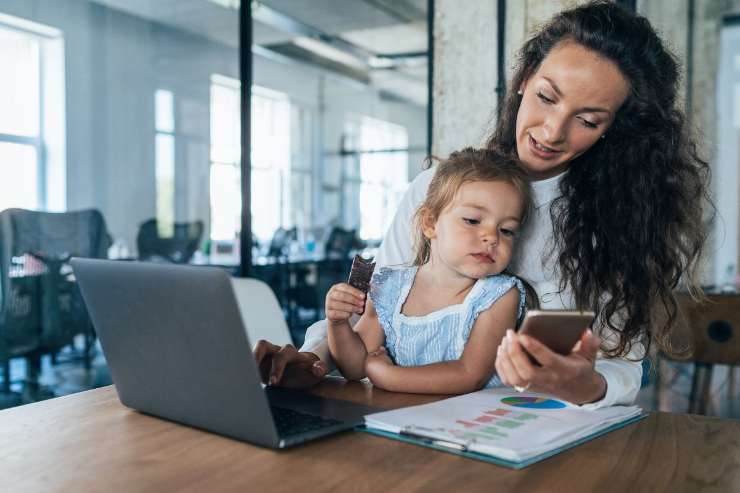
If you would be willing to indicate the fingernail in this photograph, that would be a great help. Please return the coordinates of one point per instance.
(509, 334)
(498, 351)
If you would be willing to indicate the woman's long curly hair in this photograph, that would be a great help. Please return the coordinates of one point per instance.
(629, 223)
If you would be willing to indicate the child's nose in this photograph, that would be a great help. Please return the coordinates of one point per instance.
(490, 238)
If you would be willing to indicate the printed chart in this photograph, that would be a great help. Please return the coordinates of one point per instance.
(533, 402)
(501, 423)
(491, 424)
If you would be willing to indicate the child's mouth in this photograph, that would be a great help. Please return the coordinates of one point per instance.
(484, 257)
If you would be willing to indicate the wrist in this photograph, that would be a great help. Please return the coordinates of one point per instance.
(597, 388)
(333, 324)
(311, 355)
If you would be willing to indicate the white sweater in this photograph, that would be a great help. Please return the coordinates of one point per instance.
(530, 261)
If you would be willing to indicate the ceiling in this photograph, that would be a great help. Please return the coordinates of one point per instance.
(378, 42)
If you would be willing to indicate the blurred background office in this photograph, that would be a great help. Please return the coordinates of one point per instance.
(273, 138)
(134, 109)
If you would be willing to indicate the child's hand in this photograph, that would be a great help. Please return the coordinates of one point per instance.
(342, 301)
(375, 364)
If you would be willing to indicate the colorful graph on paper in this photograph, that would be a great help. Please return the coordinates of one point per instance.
(495, 424)
(492, 424)
(533, 402)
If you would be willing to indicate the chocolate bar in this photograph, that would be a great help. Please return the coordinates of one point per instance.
(361, 273)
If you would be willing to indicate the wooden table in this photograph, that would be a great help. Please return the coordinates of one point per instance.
(90, 442)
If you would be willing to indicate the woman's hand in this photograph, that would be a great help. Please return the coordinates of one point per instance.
(287, 367)
(572, 377)
(342, 301)
(376, 366)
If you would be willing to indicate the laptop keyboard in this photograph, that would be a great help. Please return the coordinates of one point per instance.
(291, 422)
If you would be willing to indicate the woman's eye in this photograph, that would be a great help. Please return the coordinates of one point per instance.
(545, 98)
(471, 221)
(587, 123)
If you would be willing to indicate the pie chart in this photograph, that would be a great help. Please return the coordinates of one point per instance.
(533, 402)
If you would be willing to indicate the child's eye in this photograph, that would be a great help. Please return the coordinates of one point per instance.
(508, 232)
(471, 221)
(545, 98)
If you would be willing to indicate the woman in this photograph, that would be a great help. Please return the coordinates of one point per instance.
(619, 192)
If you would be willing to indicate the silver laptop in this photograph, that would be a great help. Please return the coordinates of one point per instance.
(176, 347)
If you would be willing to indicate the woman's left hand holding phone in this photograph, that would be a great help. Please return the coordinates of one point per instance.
(572, 377)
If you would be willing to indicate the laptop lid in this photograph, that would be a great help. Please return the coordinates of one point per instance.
(176, 347)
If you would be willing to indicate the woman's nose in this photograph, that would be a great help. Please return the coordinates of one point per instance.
(554, 130)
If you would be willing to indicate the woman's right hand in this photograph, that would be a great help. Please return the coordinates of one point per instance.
(287, 367)
(342, 301)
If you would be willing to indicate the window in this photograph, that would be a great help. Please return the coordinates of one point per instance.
(378, 170)
(164, 161)
(225, 176)
(281, 174)
(32, 153)
(271, 162)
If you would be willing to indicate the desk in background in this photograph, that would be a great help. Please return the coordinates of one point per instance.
(90, 442)
(300, 283)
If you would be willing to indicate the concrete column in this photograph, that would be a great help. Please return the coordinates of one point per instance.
(523, 18)
(465, 55)
(465, 63)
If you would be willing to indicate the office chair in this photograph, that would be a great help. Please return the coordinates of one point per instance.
(281, 240)
(340, 243)
(42, 309)
(714, 338)
(177, 248)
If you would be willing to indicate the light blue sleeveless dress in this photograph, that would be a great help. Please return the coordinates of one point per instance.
(437, 336)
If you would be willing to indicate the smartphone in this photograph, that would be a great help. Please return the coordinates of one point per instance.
(559, 330)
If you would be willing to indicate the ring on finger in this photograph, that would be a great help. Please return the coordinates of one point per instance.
(523, 389)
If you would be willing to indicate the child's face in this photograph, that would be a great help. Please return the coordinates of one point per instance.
(474, 235)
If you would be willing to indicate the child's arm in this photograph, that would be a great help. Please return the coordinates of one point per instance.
(348, 347)
(471, 372)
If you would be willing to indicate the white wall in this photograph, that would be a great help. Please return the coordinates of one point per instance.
(114, 64)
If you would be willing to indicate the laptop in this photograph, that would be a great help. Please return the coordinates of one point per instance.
(177, 348)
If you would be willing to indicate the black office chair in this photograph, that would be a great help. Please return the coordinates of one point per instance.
(178, 247)
(340, 243)
(42, 309)
(281, 240)
(312, 282)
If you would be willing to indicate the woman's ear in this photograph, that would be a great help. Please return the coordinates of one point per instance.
(428, 224)
(522, 87)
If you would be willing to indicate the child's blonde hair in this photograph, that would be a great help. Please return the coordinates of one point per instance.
(467, 165)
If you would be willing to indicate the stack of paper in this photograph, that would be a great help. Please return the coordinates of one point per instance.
(516, 427)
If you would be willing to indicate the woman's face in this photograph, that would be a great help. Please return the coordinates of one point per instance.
(567, 105)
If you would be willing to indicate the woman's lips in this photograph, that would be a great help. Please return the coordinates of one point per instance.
(541, 151)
